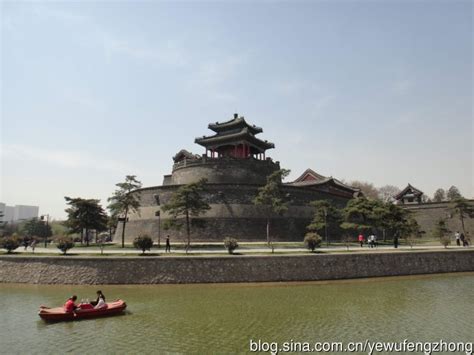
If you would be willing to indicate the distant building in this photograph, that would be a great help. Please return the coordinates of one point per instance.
(408, 196)
(18, 212)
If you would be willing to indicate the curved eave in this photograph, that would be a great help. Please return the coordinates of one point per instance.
(233, 124)
(415, 191)
(328, 181)
(244, 135)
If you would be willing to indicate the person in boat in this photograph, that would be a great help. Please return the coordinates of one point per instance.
(100, 296)
(100, 304)
(70, 305)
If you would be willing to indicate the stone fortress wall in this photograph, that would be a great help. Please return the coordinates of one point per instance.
(428, 215)
(232, 214)
(222, 170)
(174, 270)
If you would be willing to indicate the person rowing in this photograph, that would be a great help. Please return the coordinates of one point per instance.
(70, 305)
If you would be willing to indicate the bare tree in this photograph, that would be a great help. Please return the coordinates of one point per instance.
(386, 193)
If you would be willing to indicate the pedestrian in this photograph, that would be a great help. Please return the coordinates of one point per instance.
(374, 241)
(463, 240)
(25, 242)
(395, 242)
(168, 245)
(33, 245)
(371, 241)
(361, 240)
(458, 237)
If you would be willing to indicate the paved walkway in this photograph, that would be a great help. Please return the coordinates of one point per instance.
(244, 250)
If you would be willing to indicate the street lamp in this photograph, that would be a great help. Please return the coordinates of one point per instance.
(158, 214)
(326, 226)
(45, 234)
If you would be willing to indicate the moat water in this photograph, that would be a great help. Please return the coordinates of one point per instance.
(224, 318)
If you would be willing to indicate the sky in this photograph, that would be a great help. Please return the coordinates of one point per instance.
(378, 91)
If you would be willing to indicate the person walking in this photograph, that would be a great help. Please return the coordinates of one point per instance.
(361, 240)
(457, 236)
(395, 242)
(33, 245)
(168, 245)
(371, 241)
(463, 240)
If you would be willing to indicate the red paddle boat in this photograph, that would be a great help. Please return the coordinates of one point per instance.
(84, 311)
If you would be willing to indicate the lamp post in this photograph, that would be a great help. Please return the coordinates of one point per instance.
(326, 226)
(123, 220)
(158, 214)
(47, 224)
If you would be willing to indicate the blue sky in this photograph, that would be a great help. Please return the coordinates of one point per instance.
(379, 91)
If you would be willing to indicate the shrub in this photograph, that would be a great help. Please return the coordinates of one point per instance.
(9, 243)
(231, 244)
(143, 242)
(64, 243)
(312, 241)
(445, 240)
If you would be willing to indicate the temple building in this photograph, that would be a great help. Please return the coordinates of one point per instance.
(235, 164)
(409, 195)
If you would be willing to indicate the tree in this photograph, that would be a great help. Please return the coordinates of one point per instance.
(386, 193)
(367, 188)
(412, 232)
(85, 214)
(425, 199)
(439, 195)
(231, 244)
(394, 220)
(327, 219)
(358, 215)
(143, 242)
(64, 243)
(2, 223)
(112, 221)
(36, 228)
(463, 209)
(312, 241)
(9, 243)
(271, 197)
(440, 232)
(453, 194)
(187, 202)
(124, 200)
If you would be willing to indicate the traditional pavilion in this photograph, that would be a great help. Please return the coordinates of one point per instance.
(409, 195)
(310, 178)
(234, 138)
(234, 167)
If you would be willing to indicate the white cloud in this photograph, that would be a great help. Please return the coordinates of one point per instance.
(168, 52)
(61, 158)
(214, 77)
(402, 86)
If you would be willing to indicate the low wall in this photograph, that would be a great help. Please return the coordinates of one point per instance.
(160, 270)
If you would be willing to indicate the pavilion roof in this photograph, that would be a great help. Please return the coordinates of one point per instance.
(183, 153)
(234, 137)
(309, 175)
(234, 124)
(312, 178)
(408, 190)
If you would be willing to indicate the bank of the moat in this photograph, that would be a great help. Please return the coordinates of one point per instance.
(228, 269)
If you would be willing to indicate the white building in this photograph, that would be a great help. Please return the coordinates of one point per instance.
(18, 212)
